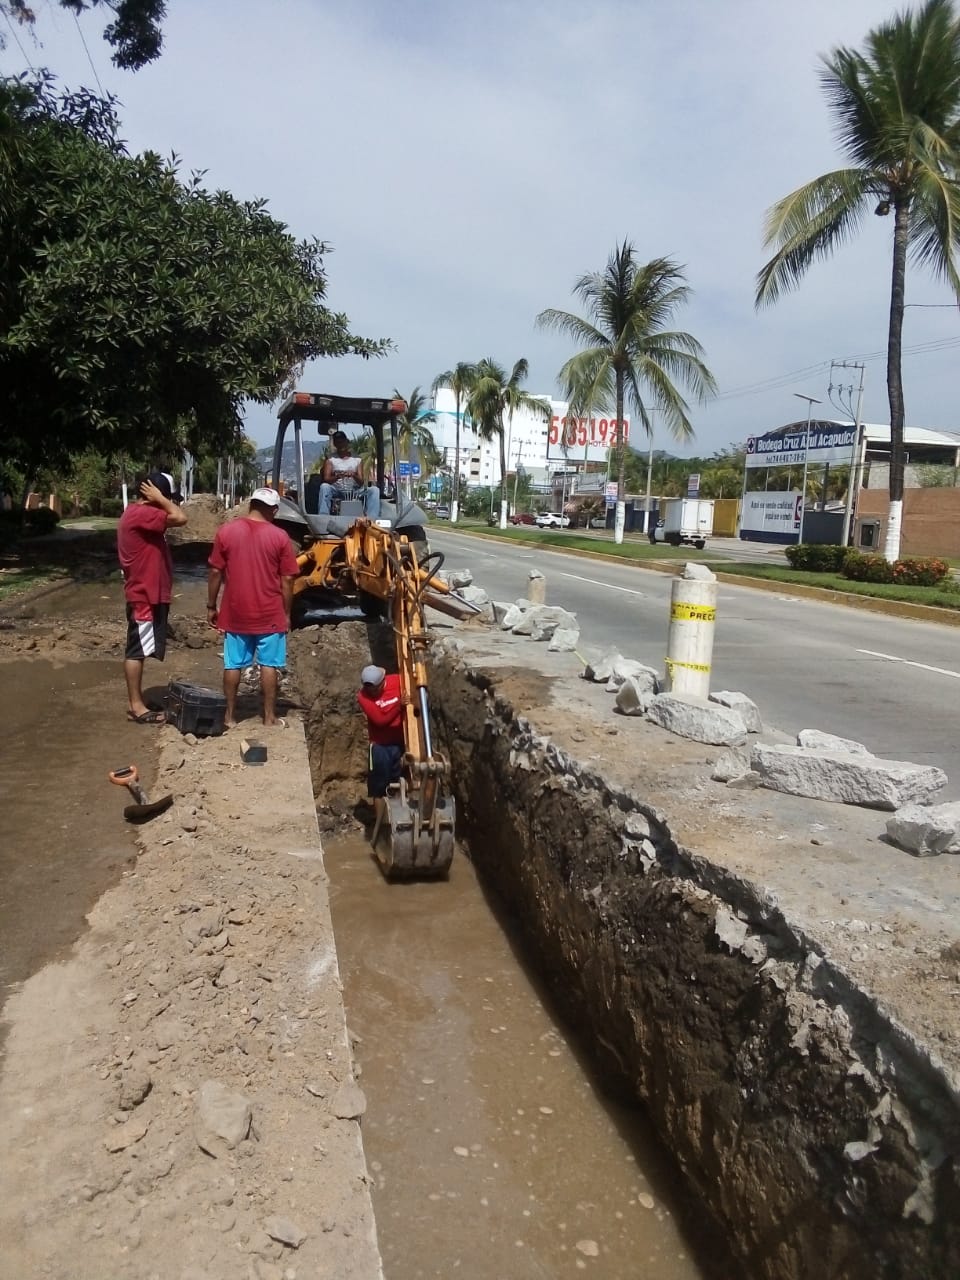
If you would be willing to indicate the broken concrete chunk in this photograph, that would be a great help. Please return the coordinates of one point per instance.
(511, 616)
(622, 668)
(222, 1119)
(541, 620)
(729, 765)
(845, 778)
(564, 640)
(698, 573)
(599, 666)
(926, 831)
(748, 709)
(633, 697)
(459, 578)
(814, 740)
(474, 595)
(697, 718)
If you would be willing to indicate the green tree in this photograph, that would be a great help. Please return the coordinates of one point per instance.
(897, 111)
(413, 430)
(134, 33)
(138, 312)
(628, 355)
(460, 380)
(494, 399)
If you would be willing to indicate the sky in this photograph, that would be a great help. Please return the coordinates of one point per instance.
(468, 162)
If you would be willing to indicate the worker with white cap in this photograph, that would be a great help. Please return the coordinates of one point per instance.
(381, 701)
(253, 561)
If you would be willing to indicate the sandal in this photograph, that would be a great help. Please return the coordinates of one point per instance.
(148, 717)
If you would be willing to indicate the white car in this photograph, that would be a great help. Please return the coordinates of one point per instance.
(552, 520)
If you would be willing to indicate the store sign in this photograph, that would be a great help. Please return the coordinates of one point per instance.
(829, 443)
(572, 436)
(771, 512)
(693, 485)
(610, 493)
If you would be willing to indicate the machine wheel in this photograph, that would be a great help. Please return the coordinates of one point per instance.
(674, 539)
(653, 539)
(700, 544)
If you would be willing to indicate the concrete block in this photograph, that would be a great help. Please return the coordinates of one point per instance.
(698, 573)
(537, 587)
(748, 709)
(544, 620)
(634, 697)
(564, 640)
(815, 740)
(926, 831)
(697, 718)
(600, 666)
(845, 777)
(629, 668)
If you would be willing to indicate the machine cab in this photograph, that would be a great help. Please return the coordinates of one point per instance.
(300, 505)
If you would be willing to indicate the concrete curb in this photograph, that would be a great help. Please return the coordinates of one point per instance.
(871, 604)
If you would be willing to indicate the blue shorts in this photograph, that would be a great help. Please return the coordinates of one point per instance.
(242, 650)
(385, 764)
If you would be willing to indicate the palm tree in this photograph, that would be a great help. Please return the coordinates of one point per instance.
(897, 112)
(459, 379)
(413, 430)
(494, 397)
(628, 356)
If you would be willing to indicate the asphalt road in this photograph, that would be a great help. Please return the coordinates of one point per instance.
(890, 683)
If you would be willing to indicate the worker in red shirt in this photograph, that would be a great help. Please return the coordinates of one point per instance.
(253, 561)
(381, 702)
(147, 582)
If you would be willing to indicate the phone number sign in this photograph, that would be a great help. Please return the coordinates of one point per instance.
(568, 435)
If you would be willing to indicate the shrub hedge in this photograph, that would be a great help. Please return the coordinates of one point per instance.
(816, 557)
(916, 571)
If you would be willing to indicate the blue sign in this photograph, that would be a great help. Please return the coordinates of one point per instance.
(409, 468)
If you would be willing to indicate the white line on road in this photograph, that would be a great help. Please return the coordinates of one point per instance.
(940, 671)
(609, 585)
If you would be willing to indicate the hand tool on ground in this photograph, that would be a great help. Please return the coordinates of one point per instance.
(144, 809)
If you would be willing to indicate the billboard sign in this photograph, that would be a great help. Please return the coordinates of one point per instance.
(693, 485)
(578, 438)
(771, 513)
(830, 442)
(610, 493)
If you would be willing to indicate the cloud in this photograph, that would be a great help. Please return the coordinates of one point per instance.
(469, 162)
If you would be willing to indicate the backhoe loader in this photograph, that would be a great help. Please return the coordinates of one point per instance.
(354, 568)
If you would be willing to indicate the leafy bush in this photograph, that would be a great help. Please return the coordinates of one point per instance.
(920, 571)
(111, 507)
(816, 558)
(861, 568)
(40, 520)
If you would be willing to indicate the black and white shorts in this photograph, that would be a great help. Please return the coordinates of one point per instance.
(146, 631)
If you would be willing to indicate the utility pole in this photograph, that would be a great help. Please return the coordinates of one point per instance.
(856, 460)
(516, 474)
(806, 454)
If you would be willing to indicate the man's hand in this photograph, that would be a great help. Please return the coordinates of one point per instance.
(153, 495)
(213, 613)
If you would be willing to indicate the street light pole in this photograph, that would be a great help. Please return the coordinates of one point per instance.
(806, 454)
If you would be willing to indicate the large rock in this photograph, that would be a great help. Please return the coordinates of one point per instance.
(629, 668)
(815, 740)
(223, 1118)
(564, 640)
(697, 718)
(926, 830)
(473, 595)
(542, 620)
(511, 616)
(460, 578)
(599, 667)
(748, 710)
(845, 777)
(694, 572)
(634, 696)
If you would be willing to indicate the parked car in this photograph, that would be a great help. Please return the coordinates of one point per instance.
(442, 513)
(598, 522)
(522, 517)
(552, 520)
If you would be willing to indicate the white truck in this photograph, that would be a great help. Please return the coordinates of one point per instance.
(685, 522)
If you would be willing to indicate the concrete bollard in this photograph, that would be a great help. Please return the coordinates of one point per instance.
(536, 587)
(693, 610)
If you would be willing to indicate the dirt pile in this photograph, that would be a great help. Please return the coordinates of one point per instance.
(205, 514)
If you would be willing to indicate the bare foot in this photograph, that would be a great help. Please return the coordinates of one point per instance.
(275, 720)
(229, 724)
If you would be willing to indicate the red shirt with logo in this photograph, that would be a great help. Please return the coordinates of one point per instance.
(253, 556)
(384, 713)
(144, 554)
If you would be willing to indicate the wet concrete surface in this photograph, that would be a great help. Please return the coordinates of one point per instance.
(492, 1152)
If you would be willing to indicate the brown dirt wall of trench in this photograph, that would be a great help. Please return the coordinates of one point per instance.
(757, 1067)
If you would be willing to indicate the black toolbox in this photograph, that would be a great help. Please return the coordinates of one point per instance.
(193, 709)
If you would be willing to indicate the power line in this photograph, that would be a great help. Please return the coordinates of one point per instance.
(13, 32)
(87, 52)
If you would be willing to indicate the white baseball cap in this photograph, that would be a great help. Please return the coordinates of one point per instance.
(372, 675)
(269, 497)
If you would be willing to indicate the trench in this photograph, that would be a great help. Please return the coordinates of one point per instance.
(787, 1124)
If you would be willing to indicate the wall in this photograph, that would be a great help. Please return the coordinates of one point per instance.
(931, 520)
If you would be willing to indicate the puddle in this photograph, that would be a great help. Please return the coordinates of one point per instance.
(491, 1151)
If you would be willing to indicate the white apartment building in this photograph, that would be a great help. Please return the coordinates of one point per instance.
(542, 446)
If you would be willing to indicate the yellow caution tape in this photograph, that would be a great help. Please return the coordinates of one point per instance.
(681, 612)
(688, 666)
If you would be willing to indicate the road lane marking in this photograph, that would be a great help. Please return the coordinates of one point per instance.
(940, 671)
(595, 582)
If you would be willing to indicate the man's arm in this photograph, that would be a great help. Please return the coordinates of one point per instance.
(380, 715)
(327, 473)
(176, 516)
(214, 583)
(286, 588)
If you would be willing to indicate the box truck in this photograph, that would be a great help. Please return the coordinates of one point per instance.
(686, 522)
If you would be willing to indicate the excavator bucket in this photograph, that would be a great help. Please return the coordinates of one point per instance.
(405, 845)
